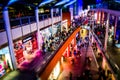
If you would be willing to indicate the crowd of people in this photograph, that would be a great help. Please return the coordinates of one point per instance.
(48, 46)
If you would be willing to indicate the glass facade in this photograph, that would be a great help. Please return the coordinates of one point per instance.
(5, 61)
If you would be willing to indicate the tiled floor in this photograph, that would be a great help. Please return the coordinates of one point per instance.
(79, 66)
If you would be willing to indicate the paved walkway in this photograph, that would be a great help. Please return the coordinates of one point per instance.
(77, 69)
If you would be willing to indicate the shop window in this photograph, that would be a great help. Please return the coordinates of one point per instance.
(18, 48)
(5, 61)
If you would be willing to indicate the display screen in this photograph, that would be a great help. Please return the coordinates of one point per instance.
(4, 50)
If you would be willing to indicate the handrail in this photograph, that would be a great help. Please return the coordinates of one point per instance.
(43, 75)
(24, 20)
(111, 64)
(106, 5)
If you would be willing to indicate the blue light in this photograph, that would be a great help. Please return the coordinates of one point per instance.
(117, 1)
(11, 1)
(69, 3)
(117, 45)
(45, 2)
(98, 1)
(1, 5)
(61, 2)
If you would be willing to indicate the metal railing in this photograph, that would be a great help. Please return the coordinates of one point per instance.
(25, 20)
(107, 5)
(115, 70)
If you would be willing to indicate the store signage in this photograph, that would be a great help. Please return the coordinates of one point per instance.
(27, 39)
(86, 27)
(4, 50)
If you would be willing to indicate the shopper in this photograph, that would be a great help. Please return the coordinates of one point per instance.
(70, 78)
(72, 61)
(79, 53)
(75, 52)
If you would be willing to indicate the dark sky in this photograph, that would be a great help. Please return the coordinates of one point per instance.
(88, 2)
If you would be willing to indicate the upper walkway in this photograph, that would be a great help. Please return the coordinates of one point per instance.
(42, 59)
(78, 69)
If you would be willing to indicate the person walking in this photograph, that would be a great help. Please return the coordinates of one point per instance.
(70, 78)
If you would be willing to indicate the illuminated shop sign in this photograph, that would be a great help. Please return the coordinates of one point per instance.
(86, 27)
(4, 50)
(55, 73)
(27, 39)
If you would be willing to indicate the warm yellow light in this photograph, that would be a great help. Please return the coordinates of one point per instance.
(56, 71)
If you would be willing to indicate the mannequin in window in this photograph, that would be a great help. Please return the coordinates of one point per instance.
(28, 46)
(28, 55)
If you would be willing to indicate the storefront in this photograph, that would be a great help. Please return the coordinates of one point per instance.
(84, 31)
(18, 49)
(111, 33)
(28, 43)
(64, 26)
(65, 54)
(50, 31)
(117, 34)
(46, 33)
(117, 38)
(5, 61)
(55, 73)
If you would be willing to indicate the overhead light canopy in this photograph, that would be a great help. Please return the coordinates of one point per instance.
(71, 2)
(117, 1)
(11, 2)
(62, 2)
(45, 2)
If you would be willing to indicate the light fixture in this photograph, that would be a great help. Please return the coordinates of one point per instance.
(11, 1)
(45, 2)
(71, 2)
(61, 2)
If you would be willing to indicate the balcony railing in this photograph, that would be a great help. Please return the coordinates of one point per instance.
(112, 5)
(25, 20)
(112, 64)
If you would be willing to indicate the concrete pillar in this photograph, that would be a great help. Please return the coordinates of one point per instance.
(71, 11)
(102, 17)
(61, 17)
(75, 41)
(52, 21)
(116, 20)
(98, 16)
(9, 36)
(80, 6)
(38, 29)
(29, 24)
(106, 34)
(68, 50)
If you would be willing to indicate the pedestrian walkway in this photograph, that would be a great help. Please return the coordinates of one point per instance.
(77, 69)
(94, 65)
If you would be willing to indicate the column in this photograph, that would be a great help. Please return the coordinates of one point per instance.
(9, 36)
(71, 12)
(106, 34)
(21, 26)
(116, 20)
(38, 29)
(52, 20)
(80, 5)
(103, 17)
(98, 16)
(75, 42)
(68, 50)
(29, 25)
(61, 17)
(92, 38)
